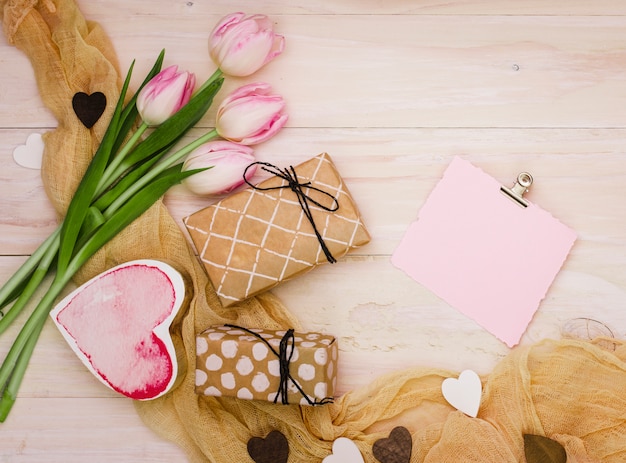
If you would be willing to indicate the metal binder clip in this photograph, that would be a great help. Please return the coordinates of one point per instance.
(516, 192)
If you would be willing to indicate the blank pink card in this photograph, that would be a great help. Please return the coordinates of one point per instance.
(483, 253)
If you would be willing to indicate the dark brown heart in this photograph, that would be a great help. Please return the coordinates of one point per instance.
(540, 449)
(273, 449)
(89, 108)
(396, 448)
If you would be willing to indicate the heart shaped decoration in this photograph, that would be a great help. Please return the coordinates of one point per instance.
(273, 449)
(89, 108)
(30, 154)
(464, 393)
(118, 325)
(396, 448)
(344, 451)
(541, 449)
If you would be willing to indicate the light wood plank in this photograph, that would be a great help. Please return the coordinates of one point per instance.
(363, 7)
(408, 71)
(72, 430)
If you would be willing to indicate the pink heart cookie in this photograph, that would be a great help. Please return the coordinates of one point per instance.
(118, 325)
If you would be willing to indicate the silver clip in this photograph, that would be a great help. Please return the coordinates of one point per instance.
(516, 192)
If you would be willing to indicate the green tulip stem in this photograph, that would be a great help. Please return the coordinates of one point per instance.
(112, 173)
(37, 277)
(159, 168)
(9, 394)
(216, 75)
(27, 267)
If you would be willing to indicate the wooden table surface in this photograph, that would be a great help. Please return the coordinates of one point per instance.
(393, 91)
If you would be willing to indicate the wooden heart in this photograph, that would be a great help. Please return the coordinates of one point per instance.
(30, 154)
(396, 448)
(273, 449)
(344, 451)
(540, 449)
(118, 325)
(464, 393)
(89, 108)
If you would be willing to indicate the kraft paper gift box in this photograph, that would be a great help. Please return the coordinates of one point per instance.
(280, 366)
(252, 240)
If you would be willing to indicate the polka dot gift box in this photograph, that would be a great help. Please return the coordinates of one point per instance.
(278, 366)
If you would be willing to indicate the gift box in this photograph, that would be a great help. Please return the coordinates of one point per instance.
(290, 223)
(278, 366)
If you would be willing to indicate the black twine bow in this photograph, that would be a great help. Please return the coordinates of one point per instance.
(290, 176)
(284, 359)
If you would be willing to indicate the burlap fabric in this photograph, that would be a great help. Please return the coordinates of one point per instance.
(571, 391)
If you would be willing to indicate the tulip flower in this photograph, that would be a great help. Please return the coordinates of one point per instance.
(164, 95)
(240, 45)
(250, 115)
(227, 162)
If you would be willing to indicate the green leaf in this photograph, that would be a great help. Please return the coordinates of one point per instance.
(129, 115)
(86, 189)
(127, 180)
(130, 211)
(540, 449)
(173, 129)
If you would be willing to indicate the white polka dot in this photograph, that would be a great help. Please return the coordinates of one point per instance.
(326, 341)
(224, 328)
(321, 356)
(274, 342)
(331, 369)
(320, 390)
(201, 377)
(228, 380)
(303, 401)
(273, 367)
(296, 354)
(308, 344)
(201, 345)
(214, 362)
(235, 332)
(229, 349)
(259, 351)
(260, 383)
(216, 336)
(213, 391)
(281, 333)
(306, 372)
(272, 396)
(247, 338)
(266, 335)
(292, 387)
(244, 366)
(312, 336)
(244, 393)
(297, 338)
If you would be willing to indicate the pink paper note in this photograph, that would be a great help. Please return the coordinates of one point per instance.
(481, 252)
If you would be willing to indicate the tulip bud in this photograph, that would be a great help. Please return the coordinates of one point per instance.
(250, 115)
(165, 94)
(240, 45)
(227, 162)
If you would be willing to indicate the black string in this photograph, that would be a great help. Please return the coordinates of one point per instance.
(284, 362)
(290, 176)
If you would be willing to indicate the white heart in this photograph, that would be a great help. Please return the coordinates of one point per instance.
(30, 154)
(464, 393)
(344, 451)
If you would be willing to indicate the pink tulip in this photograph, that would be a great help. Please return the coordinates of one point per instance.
(228, 162)
(165, 94)
(240, 45)
(250, 114)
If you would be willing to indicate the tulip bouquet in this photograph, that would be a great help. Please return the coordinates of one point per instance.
(130, 171)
